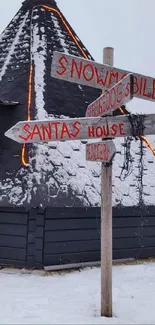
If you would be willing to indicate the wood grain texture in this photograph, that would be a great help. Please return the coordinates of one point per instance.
(106, 223)
(82, 128)
(120, 94)
(86, 72)
(106, 241)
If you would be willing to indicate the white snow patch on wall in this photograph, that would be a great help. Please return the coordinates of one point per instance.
(39, 47)
(80, 180)
(60, 34)
(35, 16)
(12, 48)
(149, 174)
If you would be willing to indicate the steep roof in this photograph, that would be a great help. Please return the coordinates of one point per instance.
(57, 174)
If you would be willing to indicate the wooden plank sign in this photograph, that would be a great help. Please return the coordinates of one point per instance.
(85, 72)
(82, 128)
(120, 94)
(100, 151)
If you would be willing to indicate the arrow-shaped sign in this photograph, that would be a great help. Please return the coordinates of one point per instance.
(90, 73)
(120, 94)
(100, 151)
(82, 128)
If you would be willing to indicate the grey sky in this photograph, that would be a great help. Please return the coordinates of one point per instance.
(127, 25)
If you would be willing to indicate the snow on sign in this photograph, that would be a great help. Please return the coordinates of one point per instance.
(85, 72)
(82, 128)
(100, 151)
(120, 94)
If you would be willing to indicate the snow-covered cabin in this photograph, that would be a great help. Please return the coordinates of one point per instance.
(56, 174)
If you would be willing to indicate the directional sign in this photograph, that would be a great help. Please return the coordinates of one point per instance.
(85, 72)
(119, 95)
(82, 128)
(100, 151)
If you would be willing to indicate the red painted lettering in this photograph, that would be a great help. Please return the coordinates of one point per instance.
(123, 76)
(95, 110)
(36, 131)
(91, 131)
(25, 128)
(114, 129)
(95, 151)
(106, 130)
(121, 129)
(113, 97)
(141, 84)
(113, 75)
(77, 128)
(127, 89)
(88, 72)
(46, 132)
(99, 132)
(100, 80)
(104, 148)
(55, 124)
(145, 93)
(107, 154)
(65, 131)
(77, 69)
(119, 93)
(101, 103)
(135, 85)
(88, 152)
(153, 90)
(107, 102)
(62, 66)
(99, 151)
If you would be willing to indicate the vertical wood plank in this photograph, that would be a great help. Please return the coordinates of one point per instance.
(106, 223)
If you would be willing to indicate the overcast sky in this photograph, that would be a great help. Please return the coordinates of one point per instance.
(126, 25)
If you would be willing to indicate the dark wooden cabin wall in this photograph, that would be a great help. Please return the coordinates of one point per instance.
(38, 238)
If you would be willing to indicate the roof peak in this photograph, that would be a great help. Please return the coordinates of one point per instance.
(33, 3)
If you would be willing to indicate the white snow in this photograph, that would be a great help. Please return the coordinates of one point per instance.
(60, 35)
(74, 298)
(12, 48)
(39, 57)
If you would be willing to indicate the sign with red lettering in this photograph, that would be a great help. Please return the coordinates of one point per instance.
(100, 151)
(115, 97)
(82, 128)
(85, 72)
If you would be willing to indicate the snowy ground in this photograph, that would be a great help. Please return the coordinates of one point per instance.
(74, 298)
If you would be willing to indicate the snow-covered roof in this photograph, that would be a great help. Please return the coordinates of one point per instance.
(58, 173)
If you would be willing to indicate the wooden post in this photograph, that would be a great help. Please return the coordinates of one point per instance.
(106, 223)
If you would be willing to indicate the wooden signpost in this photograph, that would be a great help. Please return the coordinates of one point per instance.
(120, 94)
(101, 151)
(106, 219)
(104, 76)
(85, 72)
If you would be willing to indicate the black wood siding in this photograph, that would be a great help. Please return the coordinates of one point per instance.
(13, 237)
(54, 236)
